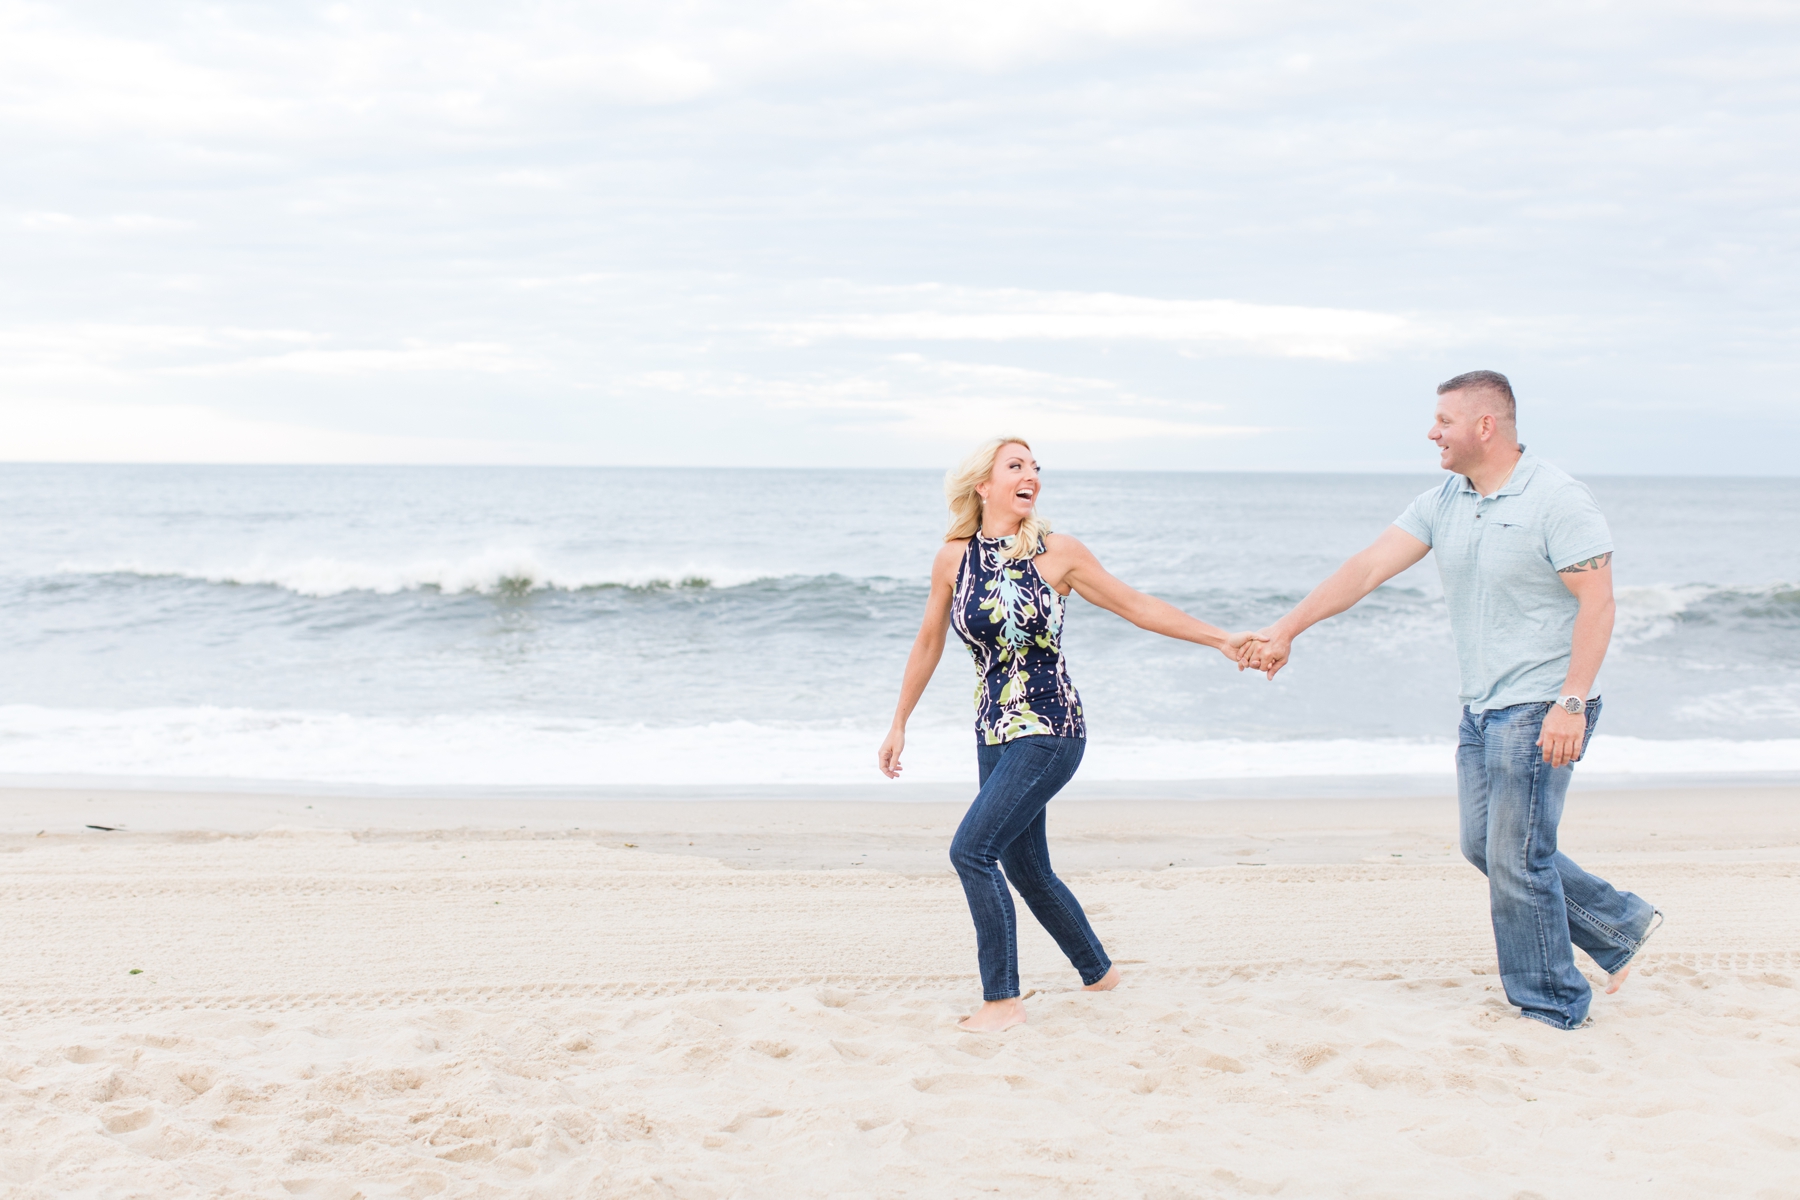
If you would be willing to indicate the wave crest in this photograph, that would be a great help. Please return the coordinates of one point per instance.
(1646, 613)
(494, 572)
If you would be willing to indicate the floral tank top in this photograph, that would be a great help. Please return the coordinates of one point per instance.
(1012, 621)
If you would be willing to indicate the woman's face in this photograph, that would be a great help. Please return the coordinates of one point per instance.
(1011, 491)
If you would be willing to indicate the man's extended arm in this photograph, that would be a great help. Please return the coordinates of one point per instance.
(1387, 556)
(1591, 582)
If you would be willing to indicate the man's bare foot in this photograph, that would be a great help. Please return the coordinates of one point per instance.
(1615, 982)
(993, 1016)
(1106, 982)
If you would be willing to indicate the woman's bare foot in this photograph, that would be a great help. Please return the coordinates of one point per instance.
(1106, 982)
(993, 1016)
(1615, 982)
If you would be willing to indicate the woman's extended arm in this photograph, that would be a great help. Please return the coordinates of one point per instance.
(1074, 564)
(927, 650)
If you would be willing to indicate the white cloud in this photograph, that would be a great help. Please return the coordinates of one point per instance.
(956, 419)
(234, 69)
(61, 73)
(933, 401)
(96, 352)
(1026, 381)
(41, 222)
(413, 354)
(997, 314)
(52, 222)
(643, 74)
(117, 353)
(994, 34)
(35, 431)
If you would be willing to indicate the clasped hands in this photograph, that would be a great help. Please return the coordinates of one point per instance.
(1266, 650)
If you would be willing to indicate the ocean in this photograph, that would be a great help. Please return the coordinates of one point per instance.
(572, 629)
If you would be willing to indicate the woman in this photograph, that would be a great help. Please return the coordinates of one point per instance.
(1000, 579)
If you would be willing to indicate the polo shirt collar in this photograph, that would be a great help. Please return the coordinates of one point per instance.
(1522, 472)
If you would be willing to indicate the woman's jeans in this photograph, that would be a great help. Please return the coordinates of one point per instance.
(1512, 801)
(1005, 828)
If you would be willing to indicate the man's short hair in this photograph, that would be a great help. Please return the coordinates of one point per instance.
(1492, 382)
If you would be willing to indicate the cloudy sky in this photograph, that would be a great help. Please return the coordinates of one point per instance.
(1146, 233)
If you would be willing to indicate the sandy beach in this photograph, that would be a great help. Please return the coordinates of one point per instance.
(337, 997)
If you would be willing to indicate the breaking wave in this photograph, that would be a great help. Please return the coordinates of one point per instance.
(491, 572)
(1649, 612)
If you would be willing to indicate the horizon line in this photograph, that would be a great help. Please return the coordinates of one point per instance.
(392, 466)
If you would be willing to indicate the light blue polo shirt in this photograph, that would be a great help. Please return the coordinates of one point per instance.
(1499, 557)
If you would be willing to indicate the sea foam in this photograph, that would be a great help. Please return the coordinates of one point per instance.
(513, 750)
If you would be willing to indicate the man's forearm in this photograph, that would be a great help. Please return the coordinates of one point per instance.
(1387, 556)
(1339, 592)
(1593, 633)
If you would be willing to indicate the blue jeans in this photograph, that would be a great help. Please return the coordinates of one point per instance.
(1005, 828)
(1512, 802)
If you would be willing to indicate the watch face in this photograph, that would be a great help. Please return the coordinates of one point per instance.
(1572, 704)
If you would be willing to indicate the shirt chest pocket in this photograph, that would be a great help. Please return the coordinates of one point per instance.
(1513, 544)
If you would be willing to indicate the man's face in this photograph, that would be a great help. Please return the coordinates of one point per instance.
(1462, 429)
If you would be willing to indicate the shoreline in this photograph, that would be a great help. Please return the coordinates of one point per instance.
(912, 836)
(219, 795)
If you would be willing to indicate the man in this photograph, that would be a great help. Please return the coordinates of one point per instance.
(1526, 561)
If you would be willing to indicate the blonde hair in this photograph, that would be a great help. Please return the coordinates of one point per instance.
(965, 502)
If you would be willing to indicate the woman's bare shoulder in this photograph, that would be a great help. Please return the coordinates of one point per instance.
(949, 555)
(1064, 546)
(1063, 560)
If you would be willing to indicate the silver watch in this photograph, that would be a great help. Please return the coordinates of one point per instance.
(1572, 704)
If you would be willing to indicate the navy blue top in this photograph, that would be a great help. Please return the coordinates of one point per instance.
(1012, 622)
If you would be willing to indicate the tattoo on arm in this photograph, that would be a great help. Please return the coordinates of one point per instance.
(1587, 564)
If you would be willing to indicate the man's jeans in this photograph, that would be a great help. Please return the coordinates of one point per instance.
(1005, 828)
(1512, 801)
